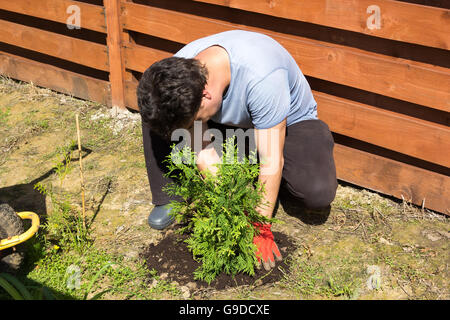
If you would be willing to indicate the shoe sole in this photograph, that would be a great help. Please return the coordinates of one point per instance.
(160, 226)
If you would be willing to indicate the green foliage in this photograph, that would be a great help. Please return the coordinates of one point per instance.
(62, 168)
(65, 225)
(17, 290)
(218, 210)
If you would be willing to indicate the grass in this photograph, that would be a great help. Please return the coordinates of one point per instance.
(4, 114)
(334, 272)
(116, 277)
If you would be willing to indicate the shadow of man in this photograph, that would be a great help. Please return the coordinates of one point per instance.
(295, 207)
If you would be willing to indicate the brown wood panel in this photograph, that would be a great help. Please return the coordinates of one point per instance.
(130, 95)
(393, 178)
(139, 58)
(116, 70)
(402, 79)
(398, 20)
(57, 79)
(126, 40)
(75, 50)
(411, 136)
(92, 17)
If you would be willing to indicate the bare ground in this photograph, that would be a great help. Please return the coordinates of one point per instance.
(369, 247)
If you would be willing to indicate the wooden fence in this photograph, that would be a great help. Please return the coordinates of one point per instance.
(379, 69)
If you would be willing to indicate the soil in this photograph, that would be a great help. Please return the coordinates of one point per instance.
(171, 258)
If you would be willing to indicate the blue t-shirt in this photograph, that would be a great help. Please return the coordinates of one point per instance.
(266, 84)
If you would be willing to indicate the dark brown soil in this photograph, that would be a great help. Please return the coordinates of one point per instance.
(172, 257)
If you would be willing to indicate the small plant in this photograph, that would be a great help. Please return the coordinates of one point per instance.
(339, 287)
(63, 168)
(64, 225)
(218, 210)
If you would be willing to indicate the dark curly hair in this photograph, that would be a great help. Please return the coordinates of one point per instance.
(170, 93)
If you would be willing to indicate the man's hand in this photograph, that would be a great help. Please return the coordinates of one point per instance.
(207, 156)
(266, 248)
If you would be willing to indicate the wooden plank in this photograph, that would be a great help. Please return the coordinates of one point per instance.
(399, 21)
(402, 79)
(116, 70)
(76, 50)
(408, 135)
(130, 95)
(91, 16)
(393, 178)
(126, 40)
(57, 79)
(139, 58)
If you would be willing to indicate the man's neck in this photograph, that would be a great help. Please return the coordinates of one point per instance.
(217, 62)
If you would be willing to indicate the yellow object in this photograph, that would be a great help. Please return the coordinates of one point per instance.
(15, 240)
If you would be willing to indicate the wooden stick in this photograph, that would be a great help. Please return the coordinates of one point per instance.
(81, 172)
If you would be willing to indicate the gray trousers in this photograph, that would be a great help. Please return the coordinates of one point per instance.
(309, 172)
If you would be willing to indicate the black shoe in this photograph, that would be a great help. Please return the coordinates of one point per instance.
(159, 218)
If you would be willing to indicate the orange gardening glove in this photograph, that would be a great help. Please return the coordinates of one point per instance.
(266, 248)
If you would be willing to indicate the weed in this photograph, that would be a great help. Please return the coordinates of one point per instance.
(306, 278)
(101, 134)
(4, 115)
(65, 225)
(36, 124)
(62, 168)
(340, 285)
(311, 278)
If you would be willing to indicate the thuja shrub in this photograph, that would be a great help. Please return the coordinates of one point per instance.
(218, 211)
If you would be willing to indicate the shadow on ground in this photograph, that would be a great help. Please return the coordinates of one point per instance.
(24, 197)
(295, 208)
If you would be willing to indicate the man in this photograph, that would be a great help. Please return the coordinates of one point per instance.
(245, 80)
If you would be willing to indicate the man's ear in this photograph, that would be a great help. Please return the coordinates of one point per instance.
(206, 94)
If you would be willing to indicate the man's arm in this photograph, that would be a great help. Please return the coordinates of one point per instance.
(270, 145)
(207, 157)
